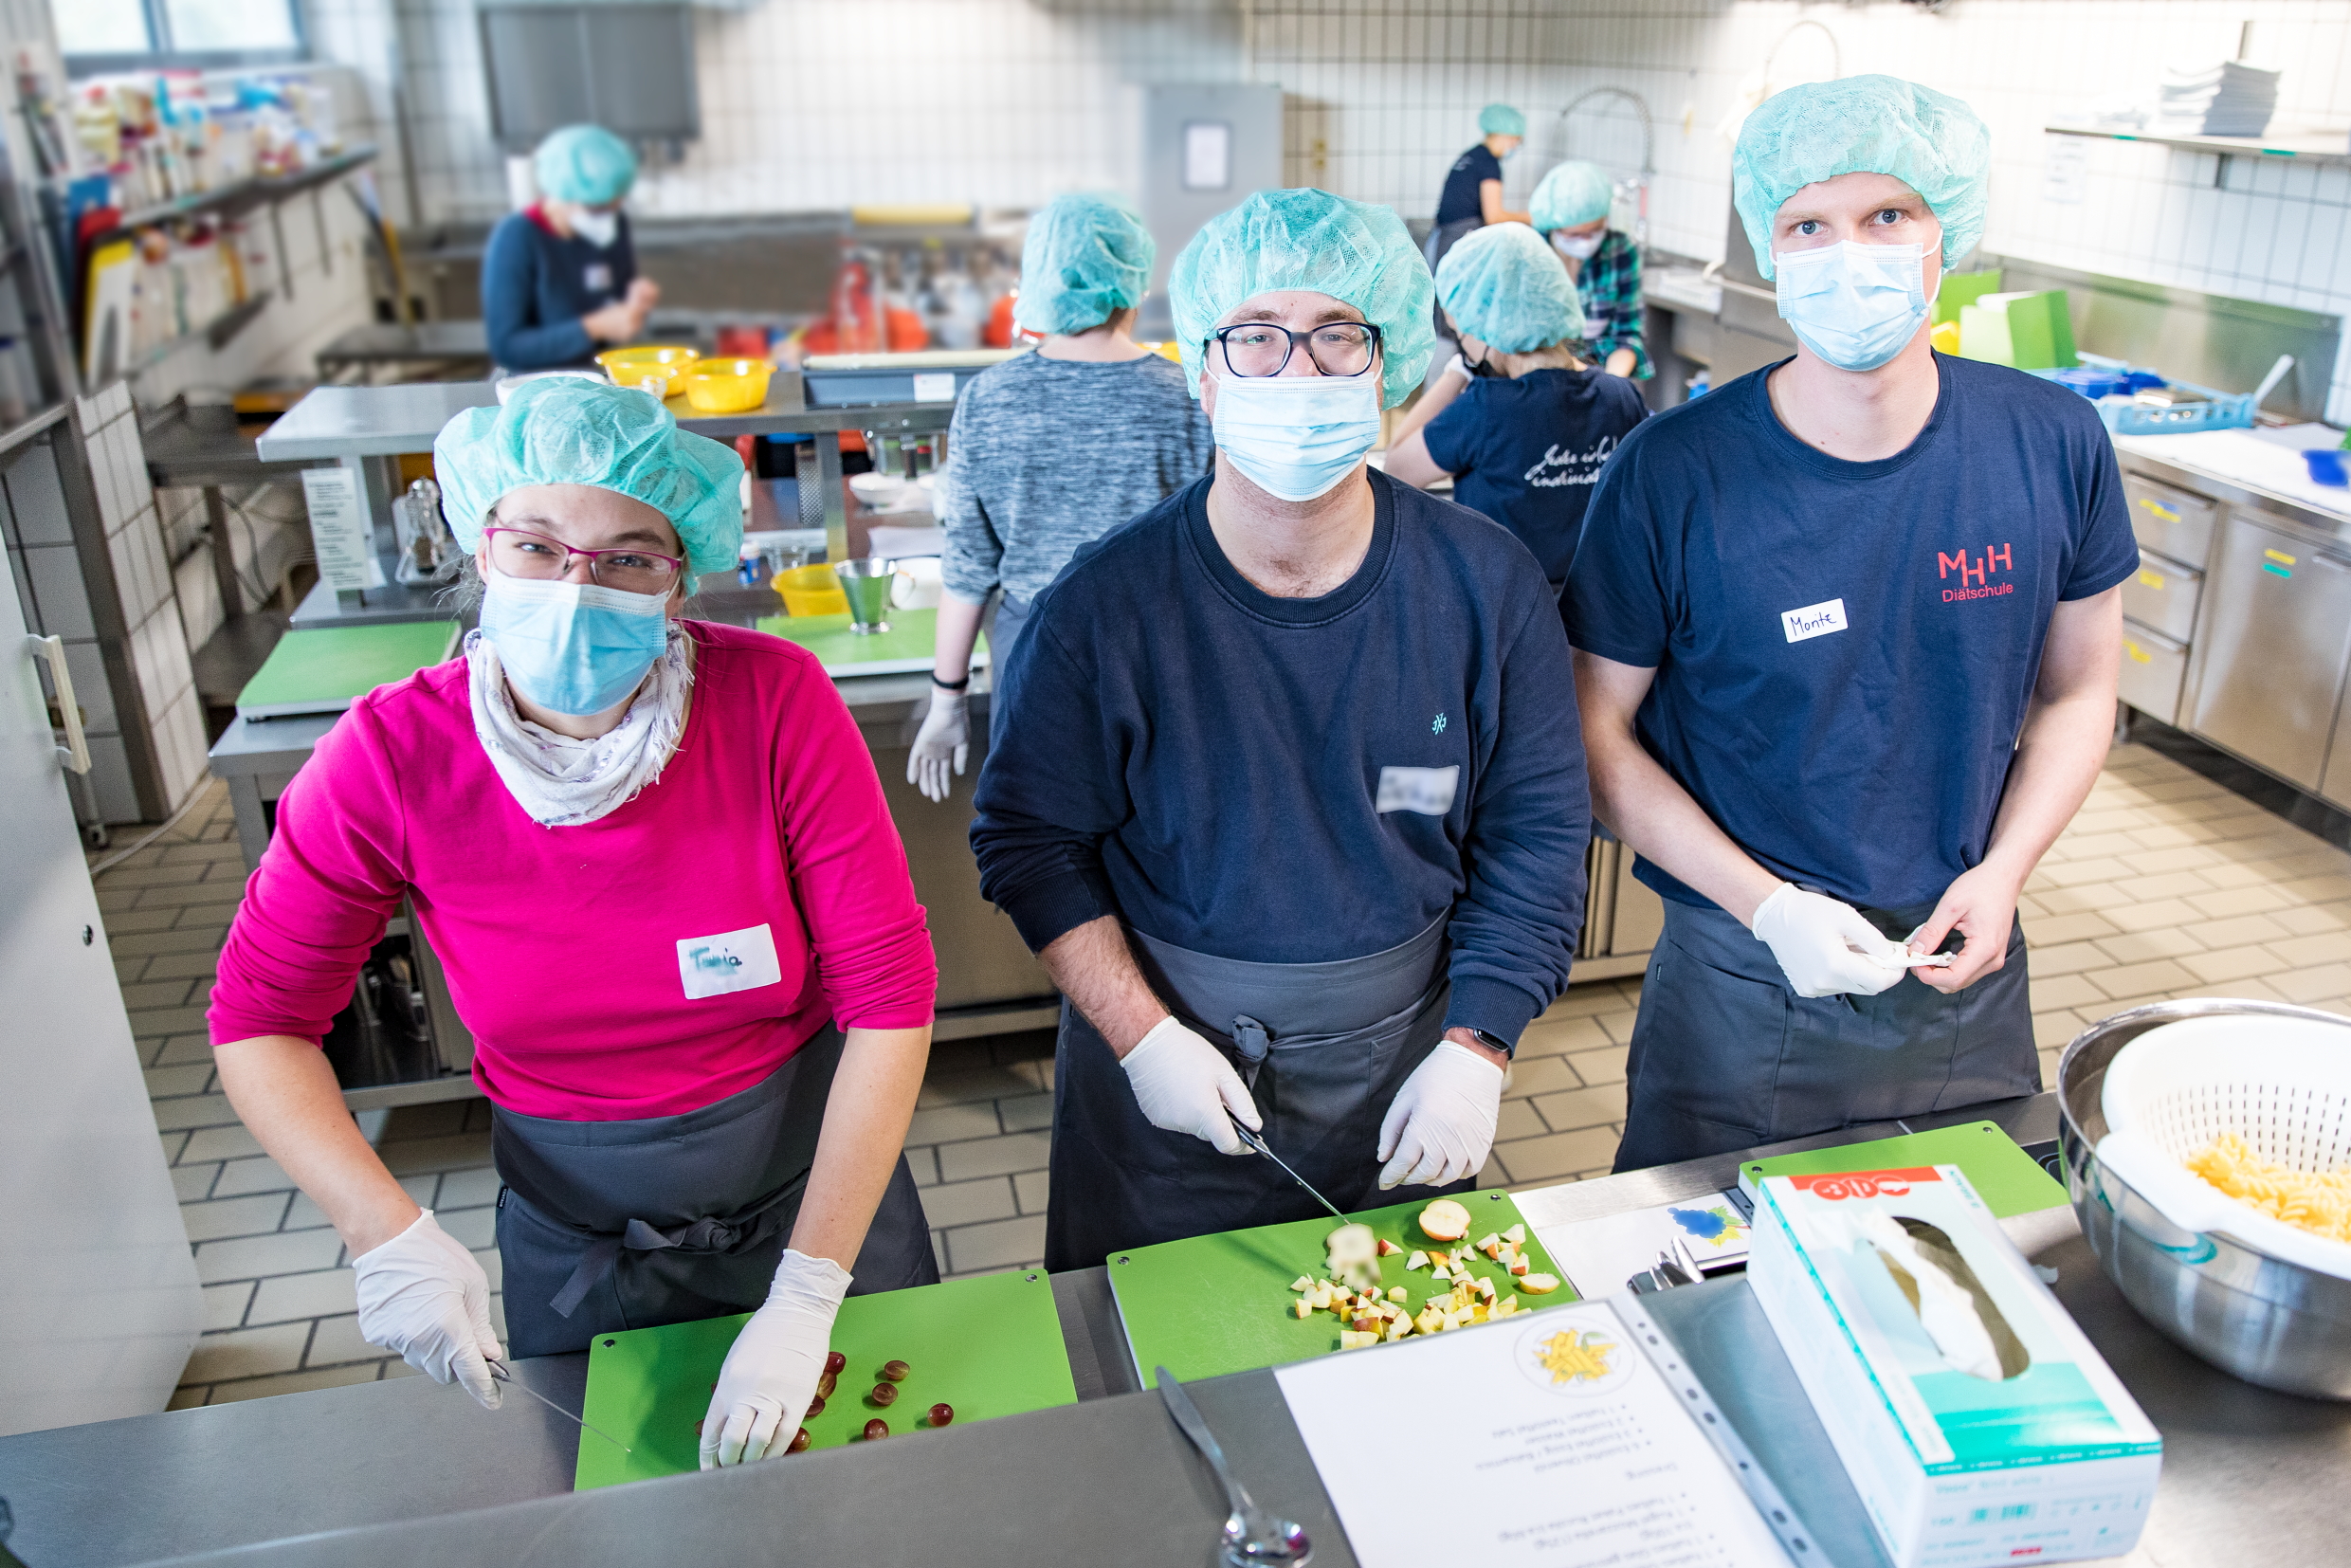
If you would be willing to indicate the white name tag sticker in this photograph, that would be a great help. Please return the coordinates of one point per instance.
(730, 961)
(1814, 620)
(934, 387)
(596, 276)
(1428, 790)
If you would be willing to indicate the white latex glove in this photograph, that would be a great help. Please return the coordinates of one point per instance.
(945, 736)
(1184, 1084)
(423, 1295)
(1441, 1125)
(771, 1373)
(1825, 947)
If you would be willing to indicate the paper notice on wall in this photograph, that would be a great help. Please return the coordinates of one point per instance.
(2064, 170)
(1548, 1439)
(341, 533)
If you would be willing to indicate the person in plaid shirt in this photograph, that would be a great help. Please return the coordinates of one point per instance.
(1569, 209)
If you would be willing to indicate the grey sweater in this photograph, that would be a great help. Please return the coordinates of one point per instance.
(1049, 455)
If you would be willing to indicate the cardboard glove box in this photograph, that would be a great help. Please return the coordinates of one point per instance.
(1976, 1419)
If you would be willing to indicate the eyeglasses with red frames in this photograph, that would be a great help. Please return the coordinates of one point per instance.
(519, 553)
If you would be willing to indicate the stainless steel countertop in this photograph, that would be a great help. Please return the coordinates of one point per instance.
(393, 1471)
(331, 423)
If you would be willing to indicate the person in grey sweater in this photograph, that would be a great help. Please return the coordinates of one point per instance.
(1050, 450)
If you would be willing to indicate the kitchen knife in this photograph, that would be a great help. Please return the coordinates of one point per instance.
(1259, 1144)
(498, 1370)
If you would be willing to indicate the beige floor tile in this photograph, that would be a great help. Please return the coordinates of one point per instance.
(313, 1295)
(2096, 898)
(1542, 1075)
(2327, 889)
(956, 1203)
(953, 1124)
(2236, 932)
(246, 1353)
(224, 1304)
(2076, 873)
(2059, 992)
(2306, 920)
(993, 1157)
(1033, 1188)
(2166, 885)
(2223, 902)
(1579, 1109)
(1599, 1066)
(1585, 999)
(2234, 963)
(2133, 947)
(248, 1257)
(2185, 858)
(2094, 819)
(2055, 1028)
(2078, 844)
(2135, 980)
(1559, 1154)
(2150, 915)
(2162, 835)
(218, 1219)
(1553, 1036)
(2328, 947)
(1518, 1119)
(2319, 983)
(294, 1382)
(2056, 930)
(2233, 874)
(1002, 1244)
(2068, 959)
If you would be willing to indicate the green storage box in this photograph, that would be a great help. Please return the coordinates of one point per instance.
(2031, 332)
(1961, 288)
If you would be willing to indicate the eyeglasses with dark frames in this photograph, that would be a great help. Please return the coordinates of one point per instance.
(1263, 348)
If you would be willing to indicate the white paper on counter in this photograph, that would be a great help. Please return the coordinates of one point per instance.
(341, 537)
(1599, 1256)
(1486, 1445)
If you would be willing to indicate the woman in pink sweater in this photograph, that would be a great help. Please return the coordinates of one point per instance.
(656, 862)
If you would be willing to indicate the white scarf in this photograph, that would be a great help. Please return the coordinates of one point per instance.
(561, 782)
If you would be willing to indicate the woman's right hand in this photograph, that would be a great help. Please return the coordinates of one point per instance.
(423, 1295)
(945, 738)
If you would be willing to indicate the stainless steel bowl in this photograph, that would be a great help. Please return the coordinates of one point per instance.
(2267, 1322)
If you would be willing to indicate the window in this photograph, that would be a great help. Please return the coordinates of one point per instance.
(98, 35)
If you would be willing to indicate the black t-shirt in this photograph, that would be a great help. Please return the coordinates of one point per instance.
(1844, 651)
(1527, 453)
(1471, 170)
(1298, 780)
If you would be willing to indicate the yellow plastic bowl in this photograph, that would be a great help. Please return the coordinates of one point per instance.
(811, 590)
(728, 386)
(630, 366)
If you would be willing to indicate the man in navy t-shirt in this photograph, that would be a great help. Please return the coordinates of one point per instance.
(1846, 638)
(1285, 785)
(1472, 193)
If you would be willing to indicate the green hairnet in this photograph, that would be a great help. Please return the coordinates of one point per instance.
(1354, 251)
(1087, 258)
(566, 429)
(1864, 124)
(585, 164)
(1572, 194)
(1500, 119)
(1504, 284)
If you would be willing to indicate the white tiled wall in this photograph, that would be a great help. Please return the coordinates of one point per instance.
(2277, 234)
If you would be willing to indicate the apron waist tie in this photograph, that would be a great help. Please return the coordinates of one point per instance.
(702, 1235)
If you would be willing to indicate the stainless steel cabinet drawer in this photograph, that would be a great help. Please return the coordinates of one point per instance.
(2179, 522)
(2272, 651)
(2151, 668)
(2161, 595)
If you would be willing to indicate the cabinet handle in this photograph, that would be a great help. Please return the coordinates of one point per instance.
(74, 756)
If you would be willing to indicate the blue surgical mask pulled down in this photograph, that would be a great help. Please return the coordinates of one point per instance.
(1855, 305)
(1297, 436)
(572, 647)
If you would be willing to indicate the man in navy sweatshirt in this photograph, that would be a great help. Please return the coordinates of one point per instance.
(1287, 787)
(559, 280)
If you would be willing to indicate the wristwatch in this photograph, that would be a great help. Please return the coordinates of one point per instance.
(1495, 1042)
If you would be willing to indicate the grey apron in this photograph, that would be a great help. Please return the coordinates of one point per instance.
(1324, 1048)
(606, 1225)
(1725, 1056)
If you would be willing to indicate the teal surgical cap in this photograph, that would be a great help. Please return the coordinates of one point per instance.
(1572, 194)
(584, 164)
(1504, 284)
(1500, 119)
(1864, 124)
(1354, 251)
(565, 429)
(1087, 258)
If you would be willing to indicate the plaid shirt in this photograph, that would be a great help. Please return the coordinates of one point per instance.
(1609, 284)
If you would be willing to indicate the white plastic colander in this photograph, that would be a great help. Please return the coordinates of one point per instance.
(2282, 1084)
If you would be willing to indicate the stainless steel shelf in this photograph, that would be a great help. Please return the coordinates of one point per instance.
(239, 198)
(2307, 146)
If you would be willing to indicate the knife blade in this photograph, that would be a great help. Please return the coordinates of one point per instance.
(1259, 1144)
(498, 1370)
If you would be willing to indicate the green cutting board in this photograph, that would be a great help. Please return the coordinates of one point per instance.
(322, 670)
(2008, 1179)
(903, 648)
(988, 1346)
(1212, 1304)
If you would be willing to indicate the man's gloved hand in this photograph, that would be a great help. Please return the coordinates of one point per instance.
(1184, 1084)
(769, 1375)
(423, 1295)
(1825, 947)
(945, 736)
(1441, 1125)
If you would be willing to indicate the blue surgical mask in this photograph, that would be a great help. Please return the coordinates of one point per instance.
(1297, 436)
(571, 648)
(598, 228)
(1855, 305)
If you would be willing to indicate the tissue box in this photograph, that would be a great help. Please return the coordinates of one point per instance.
(1976, 1421)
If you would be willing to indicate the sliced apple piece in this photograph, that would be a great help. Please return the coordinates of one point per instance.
(1302, 1283)
(1518, 1268)
(1445, 1220)
(1515, 1235)
(1540, 1284)
(1396, 1294)
(1388, 1248)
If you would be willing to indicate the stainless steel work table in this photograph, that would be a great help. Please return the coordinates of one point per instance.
(406, 1471)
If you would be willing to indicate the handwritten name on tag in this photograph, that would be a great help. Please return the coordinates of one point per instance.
(730, 961)
(1814, 620)
(1428, 790)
